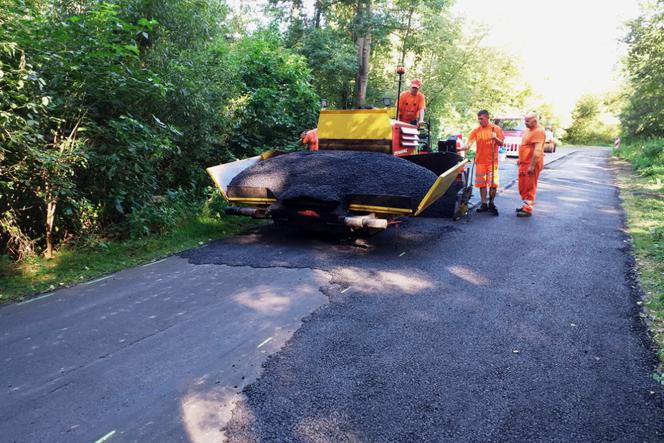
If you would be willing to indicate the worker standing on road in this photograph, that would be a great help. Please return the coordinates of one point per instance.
(310, 138)
(531, 162)
(488, 138)
(412, 104)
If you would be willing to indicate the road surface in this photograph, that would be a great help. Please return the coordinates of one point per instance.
(489, 329)
(508, 170)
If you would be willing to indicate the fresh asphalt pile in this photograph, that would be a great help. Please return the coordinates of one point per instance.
(331, 176)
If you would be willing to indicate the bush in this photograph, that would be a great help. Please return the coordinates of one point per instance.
(646, 156)
(102, 109)
(162, 213)
(276, 100)
(587, 127)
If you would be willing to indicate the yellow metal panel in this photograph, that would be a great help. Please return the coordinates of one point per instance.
(223, 174)
(379, 209)
(440, 187)
(266, 154)
(217, 183)
(355, 124)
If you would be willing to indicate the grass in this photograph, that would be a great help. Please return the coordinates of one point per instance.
(642, 192)
(74, 265)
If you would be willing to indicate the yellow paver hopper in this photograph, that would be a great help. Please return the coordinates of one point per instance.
(361, 211)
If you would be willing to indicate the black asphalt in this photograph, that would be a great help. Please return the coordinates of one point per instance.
(331, 176)
(497, 329)
(488, 329)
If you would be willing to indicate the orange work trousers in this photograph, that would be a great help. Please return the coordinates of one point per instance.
(528, 185)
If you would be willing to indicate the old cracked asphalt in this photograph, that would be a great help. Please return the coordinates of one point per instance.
(489, 329)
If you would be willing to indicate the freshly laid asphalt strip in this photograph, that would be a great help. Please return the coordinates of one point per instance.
(332, 175)
(498, 329)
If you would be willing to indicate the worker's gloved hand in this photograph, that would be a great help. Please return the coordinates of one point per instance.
(421, 125)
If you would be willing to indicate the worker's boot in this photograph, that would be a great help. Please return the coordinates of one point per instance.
(521, 213)
(492, 209)
(483, 208)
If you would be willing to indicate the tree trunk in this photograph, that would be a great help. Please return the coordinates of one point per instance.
(50, 221)
(404, 46)
(317, 14)
(363, 42)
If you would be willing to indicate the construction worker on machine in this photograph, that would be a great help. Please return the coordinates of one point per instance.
(310, 138)
(412, 104)
(489, 138)
(531, 162)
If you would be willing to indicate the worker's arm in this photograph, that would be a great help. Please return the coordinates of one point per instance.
(498, 137)
(420, 116)
(422, 106)
(467, 147)
(537, 154)
(498, 141)
(469, 143)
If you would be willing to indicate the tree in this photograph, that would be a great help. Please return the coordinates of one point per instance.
(363, 43)
(643, 115)
(587, 126)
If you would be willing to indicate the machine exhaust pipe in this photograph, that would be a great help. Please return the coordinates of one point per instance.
(247, 212)
(364, 221)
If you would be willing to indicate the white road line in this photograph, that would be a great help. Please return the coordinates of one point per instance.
(105, 437)
(97, 280)
(36, 298)
(346, 290)
(153, 263)
(266, 341)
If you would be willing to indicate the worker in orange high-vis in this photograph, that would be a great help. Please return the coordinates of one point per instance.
(412, 104)
(310, 138)
(488, 138)
(531, 162)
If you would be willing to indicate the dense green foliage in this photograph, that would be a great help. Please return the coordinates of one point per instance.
(642, 100)
(643, 114)
(459, 74)
(647, 157)
(110, 109)
(588, 126)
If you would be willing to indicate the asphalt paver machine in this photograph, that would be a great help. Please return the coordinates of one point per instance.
(367, 130)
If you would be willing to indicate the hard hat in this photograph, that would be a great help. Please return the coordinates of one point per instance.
(416, 84)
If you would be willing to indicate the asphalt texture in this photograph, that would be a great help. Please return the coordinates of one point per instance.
(508, 170)
(488, 329)
(330, 176)
(154, 353)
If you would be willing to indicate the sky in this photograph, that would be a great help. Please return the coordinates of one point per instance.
(565, 47)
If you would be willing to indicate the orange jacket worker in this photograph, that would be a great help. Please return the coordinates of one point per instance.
(531, 162)
(412, 104)
(310, 138)
(487, 138)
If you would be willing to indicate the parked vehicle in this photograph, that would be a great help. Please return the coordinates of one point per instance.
(513, 127)
(550, 143)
